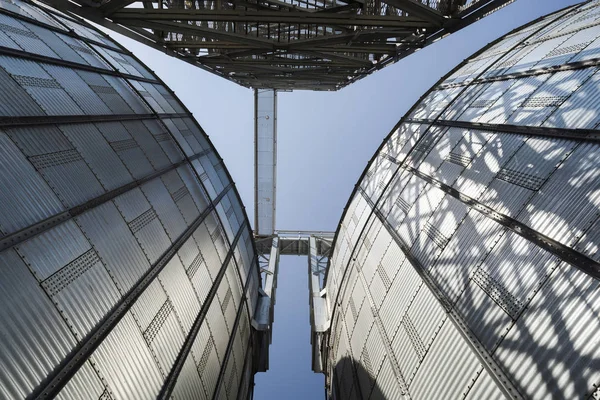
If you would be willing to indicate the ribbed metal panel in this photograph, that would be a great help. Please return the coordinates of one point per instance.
(432, 105)
(502, 110)
(589, 244)
(550, 365)
(86, 51)
(485, 99)
(41, 86)
(463, 100)
(399, 296)
(195, 190)
(574, 184)
(98, 154)
(228, 310)
(189, 386)
(426, 315)
(234, 284)
(392, 261)
(576, 47)
(390, 206)
(86, 32)
(468, 247)
(386, 386)
(26, 39)
(166, 209)
(484, 167)
(238, 349)
(27, 198)
(201, 279)
(549, 96)
(409, 357)
(164, 336)
(69, 175)
(591, 50)
(150, 234)
(115, 243)
(218, 325)
(85, 384)
(578, 110)
(35, 338)
(133, 103)
(37, 252)
(153, 139)
(488, 321)
(450, 360)
(34, 141)
(208, 250)
(30, 11)
(127, 148)
(530, 55)
(381, 241)
(207, 362)
(180, 292)
(423, 207)
(227, 228)
(188, 147)
(82, 290)
(55, 41)
(125, 362)
(483, 388)
(18, 102)
(148, 304)
(219, 239)
(182, 196)
(77, 88)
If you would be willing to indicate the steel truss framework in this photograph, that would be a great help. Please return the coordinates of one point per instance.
(285, 44)
(317, 247)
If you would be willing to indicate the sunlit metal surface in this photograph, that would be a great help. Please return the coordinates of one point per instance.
(286, 44)
(468, 253)
(127, 264)
(265, 161)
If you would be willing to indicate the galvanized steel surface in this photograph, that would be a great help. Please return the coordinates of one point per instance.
(485, 275)
(90, 209)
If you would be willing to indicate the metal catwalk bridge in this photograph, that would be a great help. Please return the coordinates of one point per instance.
(285, 44)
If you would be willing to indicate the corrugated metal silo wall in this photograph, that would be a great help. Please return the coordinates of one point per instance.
(127, 267)
(466, 263)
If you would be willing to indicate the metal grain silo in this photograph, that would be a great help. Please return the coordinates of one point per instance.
(466, 263)
(127, 266)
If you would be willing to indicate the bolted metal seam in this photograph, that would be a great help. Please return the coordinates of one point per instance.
(171, 379)
(59, 377)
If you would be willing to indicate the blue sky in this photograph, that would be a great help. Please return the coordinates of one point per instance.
(325, 141)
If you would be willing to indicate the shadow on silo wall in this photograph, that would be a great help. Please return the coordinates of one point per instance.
(352, 381)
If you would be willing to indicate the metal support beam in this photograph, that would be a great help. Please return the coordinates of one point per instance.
(125, 16)
(315, 245)
(418, 9)
(265, 160)
(319, 312)
(265, 309)
(590, 135)
(269, 267)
